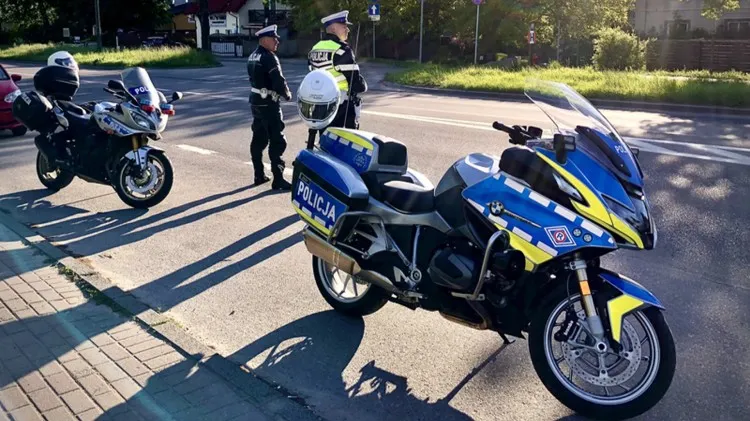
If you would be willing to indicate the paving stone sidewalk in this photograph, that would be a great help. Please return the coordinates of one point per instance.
(66, 356)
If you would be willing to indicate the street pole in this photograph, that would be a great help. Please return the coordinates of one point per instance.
(476, 38)
(98, 25)
(421, 27)
(373, 39)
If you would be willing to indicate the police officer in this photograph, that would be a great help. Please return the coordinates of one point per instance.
(333, 54)
(268, 87)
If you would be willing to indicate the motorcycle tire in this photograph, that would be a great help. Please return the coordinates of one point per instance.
(603, 410)
(43, 170)
(119, 182)
(19, 131)
(371, 301)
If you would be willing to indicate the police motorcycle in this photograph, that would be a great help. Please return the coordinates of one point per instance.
(99, 142)
(510, 244)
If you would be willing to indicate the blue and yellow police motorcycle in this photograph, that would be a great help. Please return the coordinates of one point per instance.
(510, 244)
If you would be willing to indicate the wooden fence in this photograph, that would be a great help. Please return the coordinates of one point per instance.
(716, 55)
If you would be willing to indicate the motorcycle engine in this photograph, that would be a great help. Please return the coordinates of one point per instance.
(455, 269)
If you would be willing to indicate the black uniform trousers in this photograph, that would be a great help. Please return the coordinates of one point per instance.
(346, 117)
(268, 131)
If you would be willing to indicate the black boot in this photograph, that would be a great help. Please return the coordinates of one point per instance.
(260, 176)
(278, 178)
(281, 184)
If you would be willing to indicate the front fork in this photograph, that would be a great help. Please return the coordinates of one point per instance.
(141, 163)
(593, 319)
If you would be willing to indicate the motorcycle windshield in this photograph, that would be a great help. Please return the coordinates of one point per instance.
(139, 84)
(572, 114)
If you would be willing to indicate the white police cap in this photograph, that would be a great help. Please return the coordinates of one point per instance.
(340, 17)
(268, 31)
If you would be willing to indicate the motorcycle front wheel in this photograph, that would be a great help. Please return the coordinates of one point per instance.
(147, 188)
(609, 385)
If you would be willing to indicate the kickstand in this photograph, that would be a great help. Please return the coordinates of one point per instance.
(506, 340)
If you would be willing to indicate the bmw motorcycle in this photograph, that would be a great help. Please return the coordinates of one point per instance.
(101, 142)
(511, 244)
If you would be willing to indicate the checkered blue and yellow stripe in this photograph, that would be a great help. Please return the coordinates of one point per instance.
(539, 227)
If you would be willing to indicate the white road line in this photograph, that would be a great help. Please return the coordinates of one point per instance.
(287, 171)
(480, 125)
(675, 142)
(196, 149)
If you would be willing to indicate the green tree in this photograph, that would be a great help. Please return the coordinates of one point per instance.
(715, 9)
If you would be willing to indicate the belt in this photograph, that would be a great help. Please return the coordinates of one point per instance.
(264, 93)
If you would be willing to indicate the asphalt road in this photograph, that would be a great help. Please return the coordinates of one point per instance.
(225, 260)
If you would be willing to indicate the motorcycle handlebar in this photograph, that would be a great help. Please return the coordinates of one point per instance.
(502, 127)
(517, 135)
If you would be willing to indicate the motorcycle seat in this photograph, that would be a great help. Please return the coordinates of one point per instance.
(73, 109)
(408, 197)
(77, 117)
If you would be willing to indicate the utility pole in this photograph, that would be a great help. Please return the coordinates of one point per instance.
(98, 25)
(476, 34)
(421, 27)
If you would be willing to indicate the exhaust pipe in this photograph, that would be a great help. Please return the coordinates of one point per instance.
(333, 256)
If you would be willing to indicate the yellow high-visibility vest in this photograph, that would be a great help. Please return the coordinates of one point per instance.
(322, 55)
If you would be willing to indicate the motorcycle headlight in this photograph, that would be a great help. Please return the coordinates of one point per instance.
(143, 122)
(12, 96)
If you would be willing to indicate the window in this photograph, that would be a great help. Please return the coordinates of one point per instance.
(737, 25)
(677, 27)
(3, 75)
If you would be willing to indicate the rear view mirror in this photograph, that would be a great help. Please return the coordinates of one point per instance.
(176, 96)
(635, 151)
(563, 144)
(116, 85)
(16, 78)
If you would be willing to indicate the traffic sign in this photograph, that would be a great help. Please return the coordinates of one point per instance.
(373, 11)
(532, 37)
(478, 2)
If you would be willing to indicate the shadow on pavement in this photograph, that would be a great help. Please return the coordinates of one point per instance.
(312, 353)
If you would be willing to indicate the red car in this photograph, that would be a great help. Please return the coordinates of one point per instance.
(8, 93)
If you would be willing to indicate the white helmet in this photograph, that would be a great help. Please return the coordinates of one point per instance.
(62, 59)
(318, 99)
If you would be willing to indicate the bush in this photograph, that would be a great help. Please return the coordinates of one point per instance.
(615, 49)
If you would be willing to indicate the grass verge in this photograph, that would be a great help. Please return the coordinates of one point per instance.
(163, 57)
(731, 89)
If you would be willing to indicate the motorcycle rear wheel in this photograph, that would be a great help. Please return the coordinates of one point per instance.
(345, 293)
(575, 386)
(52, 177)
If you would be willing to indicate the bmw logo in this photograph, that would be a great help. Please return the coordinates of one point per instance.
(577, 232)
(497, 208)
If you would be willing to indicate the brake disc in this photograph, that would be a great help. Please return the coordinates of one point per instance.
(592, 375)
(145, 184)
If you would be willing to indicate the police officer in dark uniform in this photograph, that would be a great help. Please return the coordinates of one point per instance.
(333, 54)
(268, 88)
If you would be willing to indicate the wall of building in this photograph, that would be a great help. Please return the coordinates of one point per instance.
(654, 16)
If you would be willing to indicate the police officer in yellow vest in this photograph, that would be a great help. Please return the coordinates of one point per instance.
(333, 54)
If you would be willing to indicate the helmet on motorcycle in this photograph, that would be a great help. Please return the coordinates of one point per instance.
(62, 59)
(318, 99)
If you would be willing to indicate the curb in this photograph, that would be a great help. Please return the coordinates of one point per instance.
(283, 405)
(604, 103)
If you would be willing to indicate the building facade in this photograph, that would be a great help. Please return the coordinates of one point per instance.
(667, 17)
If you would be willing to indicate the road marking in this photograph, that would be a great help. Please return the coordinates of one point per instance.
(647, 145)
(287, 171)
(196, 149)
(726, 157)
